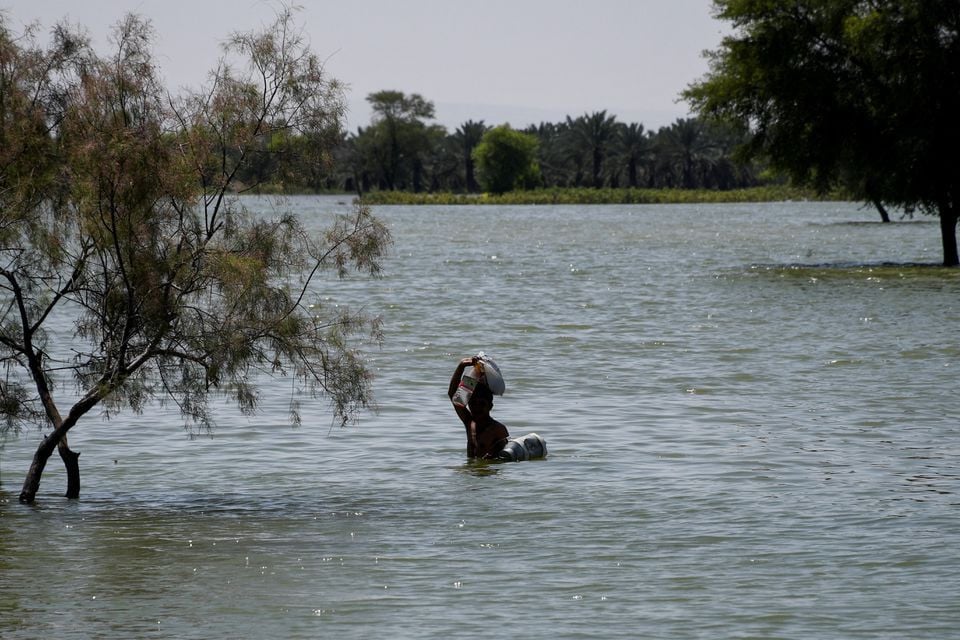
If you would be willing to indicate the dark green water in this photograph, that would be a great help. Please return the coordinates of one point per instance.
(753, 428)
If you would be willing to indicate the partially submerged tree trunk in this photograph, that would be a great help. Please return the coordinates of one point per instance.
(56, 440)
(948, 234)
(31, 483)
(883, 210)
(71, 463)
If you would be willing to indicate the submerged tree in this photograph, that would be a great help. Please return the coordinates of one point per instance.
(862, 94)
(116, 216)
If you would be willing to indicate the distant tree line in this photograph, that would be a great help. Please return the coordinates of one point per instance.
(402, 149)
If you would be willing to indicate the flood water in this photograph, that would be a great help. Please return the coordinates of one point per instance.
(752, 418)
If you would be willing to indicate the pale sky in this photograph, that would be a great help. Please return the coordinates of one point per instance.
(516, 61)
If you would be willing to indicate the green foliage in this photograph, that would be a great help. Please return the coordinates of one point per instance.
(116, 212)
(467, 136)
(399, 139)
(506, 160)
(592, 136)
(592, 150)
(862, 94)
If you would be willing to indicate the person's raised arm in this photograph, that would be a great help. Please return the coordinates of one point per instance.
(458, 373)
(462, 412)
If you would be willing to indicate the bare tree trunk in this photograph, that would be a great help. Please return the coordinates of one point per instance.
(597, 168)
(56, 440)
(472, 186)
(31, 484)
(417, 175)
(883, 211)
(71, 463)
(358, 185)
(948, 234)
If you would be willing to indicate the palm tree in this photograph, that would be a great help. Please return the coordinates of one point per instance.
(441, 162)
(468, 136)
(552, 153)
(687, 148)
(636, 150)
(593, 135)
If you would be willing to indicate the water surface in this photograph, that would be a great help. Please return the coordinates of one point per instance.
(752, 420)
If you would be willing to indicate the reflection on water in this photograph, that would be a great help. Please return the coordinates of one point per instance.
(751, 424)
(479, 468)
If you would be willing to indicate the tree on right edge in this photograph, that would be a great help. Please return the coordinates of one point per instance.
(860, 94)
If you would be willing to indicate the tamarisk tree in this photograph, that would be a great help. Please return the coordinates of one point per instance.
(118, 219)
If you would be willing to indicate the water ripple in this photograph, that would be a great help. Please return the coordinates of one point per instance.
(748, 409)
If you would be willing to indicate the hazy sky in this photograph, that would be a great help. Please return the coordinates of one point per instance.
(517, 61)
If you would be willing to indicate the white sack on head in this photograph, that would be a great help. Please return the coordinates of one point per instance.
(493, 375)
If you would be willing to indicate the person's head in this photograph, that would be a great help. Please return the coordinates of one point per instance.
(481, 402)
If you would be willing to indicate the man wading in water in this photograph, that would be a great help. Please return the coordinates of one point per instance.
(485, 436)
